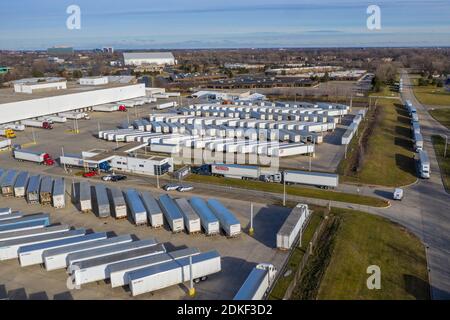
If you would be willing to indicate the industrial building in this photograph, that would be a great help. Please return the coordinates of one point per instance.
(140, 58)
(40, 102)
(33, 85)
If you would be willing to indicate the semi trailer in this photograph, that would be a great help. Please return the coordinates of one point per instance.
(258, 283)
(37, 124)
(33, 156)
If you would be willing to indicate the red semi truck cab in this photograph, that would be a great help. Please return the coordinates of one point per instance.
(48, 161)
(122, 108)
(46, 125)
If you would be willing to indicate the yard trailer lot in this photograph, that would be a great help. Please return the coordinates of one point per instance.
(239, 255)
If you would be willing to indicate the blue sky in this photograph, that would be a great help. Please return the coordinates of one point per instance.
(171, 24)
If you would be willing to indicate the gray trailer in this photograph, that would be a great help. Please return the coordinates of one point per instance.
(97, 269)
(172, 213)
(119, 271)
(10, 249)
(207, 218)
(57, 258)
(228, 222)
(101, 201)
(59, 193)
(119, 205)
(292, 226)
(100, 252)
(7, 183)
(45, 191)
(258, 283)
(33, 189)
(154, 212)
(21, 184)
(136, 207)
(21, 234)
(191, 218)
(84, 197)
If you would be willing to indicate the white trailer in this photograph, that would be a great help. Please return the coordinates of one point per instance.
(165, 148)
(106, 108)
(77, 257)
(119, 271)
(154, 212)
(190, 217)
(292, 226)
(22, 234)
(258, 283)
(73, 115)
(320, 179)
(423, 163)
(10, 249)
(97, 269)
(59, 193)
(118, 203)
(236, 171)
(57, 119)
(174, 272)
(33, 254)
(57, 258)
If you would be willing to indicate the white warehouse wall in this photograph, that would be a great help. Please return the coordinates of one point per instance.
(21, 110)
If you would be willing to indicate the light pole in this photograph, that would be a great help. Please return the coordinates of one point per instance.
(251, 231)
(191, 287)
(34, 136)
(284, 192)
(62, 153)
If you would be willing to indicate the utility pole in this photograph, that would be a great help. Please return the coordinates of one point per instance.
(284, 192)
(98, 126)
(251, 231)
(191, 287)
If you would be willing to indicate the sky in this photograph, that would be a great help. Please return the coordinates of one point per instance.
(177, 24)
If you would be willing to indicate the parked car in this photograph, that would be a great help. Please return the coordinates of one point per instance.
(90, 174)
(185, 188)
(171, 187)
(114, 177)
(398, 194)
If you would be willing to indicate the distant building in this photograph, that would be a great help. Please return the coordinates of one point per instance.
(93, 81)
(60, 50)
(108, 49)
(34, 85)
(55, 60)
(140, 58)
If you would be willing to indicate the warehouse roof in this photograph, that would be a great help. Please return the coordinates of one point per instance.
(148, 55)
(8, 95)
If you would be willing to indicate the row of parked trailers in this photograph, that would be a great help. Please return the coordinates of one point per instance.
(180, 214)
(144, 265)
(353, 127)
(34, 188)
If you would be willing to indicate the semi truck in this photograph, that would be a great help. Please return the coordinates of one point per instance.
(37, 124)
(236, 171)
(423, 164)
(33, 156)
(258, 283)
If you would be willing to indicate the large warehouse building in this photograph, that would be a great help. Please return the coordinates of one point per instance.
(142, 58)
(16, 106)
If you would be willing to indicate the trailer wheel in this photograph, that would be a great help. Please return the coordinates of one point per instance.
(196, 280)
(204, 278)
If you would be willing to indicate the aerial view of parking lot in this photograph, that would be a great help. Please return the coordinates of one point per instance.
(184, 153)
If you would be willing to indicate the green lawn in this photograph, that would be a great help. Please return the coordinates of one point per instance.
(315, 193)
(363, 240)
(431, 95)
(441, 115)
(444, 164)
(388, 152)
(279, 290)
(385, 92)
